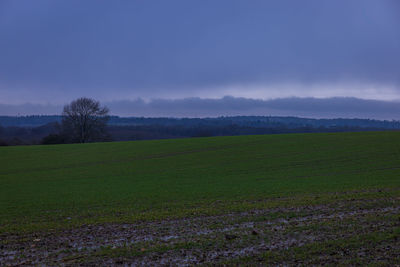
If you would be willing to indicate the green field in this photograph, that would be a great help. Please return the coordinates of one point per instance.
(60, 189)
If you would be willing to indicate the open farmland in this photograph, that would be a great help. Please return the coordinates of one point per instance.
(266, 199)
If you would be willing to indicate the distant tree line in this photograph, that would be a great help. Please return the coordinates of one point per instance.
(85, 120)
(13, 135)
(251, 121)
(50, 133)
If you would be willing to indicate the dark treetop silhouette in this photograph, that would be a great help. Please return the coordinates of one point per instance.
(84, 120)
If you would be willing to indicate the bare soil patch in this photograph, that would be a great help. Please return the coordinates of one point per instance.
(208, 239)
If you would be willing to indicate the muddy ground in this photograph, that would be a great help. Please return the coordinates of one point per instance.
(350, 232)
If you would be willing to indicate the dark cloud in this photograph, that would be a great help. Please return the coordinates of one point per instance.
(231, 106)
(53, 51)
(29, 109)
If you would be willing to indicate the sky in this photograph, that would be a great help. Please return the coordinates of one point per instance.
(54, 51)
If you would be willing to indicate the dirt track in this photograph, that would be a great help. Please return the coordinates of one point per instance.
(206, 239)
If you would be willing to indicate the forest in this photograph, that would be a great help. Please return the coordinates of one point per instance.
(42, 129)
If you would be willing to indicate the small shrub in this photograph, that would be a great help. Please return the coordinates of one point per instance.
(53, 139)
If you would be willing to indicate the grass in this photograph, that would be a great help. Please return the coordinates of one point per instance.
(62, 185)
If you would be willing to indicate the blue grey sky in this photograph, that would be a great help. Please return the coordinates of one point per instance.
(54, 51)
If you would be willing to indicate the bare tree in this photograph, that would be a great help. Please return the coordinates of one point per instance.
(84, 120)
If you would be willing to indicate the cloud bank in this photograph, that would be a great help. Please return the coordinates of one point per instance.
(340, 107)
(55, 51)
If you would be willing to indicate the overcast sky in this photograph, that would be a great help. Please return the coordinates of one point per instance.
(54, 51)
